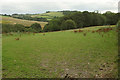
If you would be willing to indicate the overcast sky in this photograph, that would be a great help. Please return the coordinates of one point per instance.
(41, 6)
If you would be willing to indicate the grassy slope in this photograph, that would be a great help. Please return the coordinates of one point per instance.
(20, 21)
(58, 53)
(49, 16)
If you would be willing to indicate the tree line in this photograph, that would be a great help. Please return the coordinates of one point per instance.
(28, 17)
(81, 20)
(6, 28)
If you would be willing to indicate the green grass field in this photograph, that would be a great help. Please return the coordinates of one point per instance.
(10, 20)
(49, 16)
(56, 54)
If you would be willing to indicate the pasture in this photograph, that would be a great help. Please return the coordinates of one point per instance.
(49, 15)
(11, 20)
(55, 54)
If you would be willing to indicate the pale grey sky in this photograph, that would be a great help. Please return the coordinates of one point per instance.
(41, 6)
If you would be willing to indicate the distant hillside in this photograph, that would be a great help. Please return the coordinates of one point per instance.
(49, 15)
(45, 17)
(10, 20)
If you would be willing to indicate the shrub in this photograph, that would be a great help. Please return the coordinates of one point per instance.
(68, 24)
(18, 28)
(54, 25)
(30, 30)
(7, 28)
(36, 27)
(13, 28)
(46, 28)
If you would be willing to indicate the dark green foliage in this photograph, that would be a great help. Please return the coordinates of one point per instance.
(98, 19)
(64, 18)
(68, 12)
(39, 19)
(118, 16)
(36, 27)
(54, 25)
(12, 28)
(112, 18)
(5, 15)
(81, 19)
(47, 11)
(7, 28)
(87, 18)
(70, 20)
(46, 28)
(18, 28)
(78, 18)
(68, 24)
(30, 30)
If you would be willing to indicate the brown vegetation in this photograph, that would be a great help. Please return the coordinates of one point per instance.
(16, 38)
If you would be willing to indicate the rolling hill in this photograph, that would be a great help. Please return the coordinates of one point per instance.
(49, 15)
(10, 20)
(56, 54)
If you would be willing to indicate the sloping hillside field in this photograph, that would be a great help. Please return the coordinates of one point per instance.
(48, 16)
(86, 53)
(10, 20)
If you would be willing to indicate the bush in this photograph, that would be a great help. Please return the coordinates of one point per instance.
(18, 28)
(7, 28)
(68, 24)
(29, 30)
(21, 28)
(79, 18)
(36, 27)
(13, 28)
(54, 25)
(46, 28)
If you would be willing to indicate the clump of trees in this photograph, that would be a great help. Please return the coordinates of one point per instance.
(111, 18)
(81, 19)
(6, 28)
(57, 25)
(36, 27)
(53, 25)
(67, 12)
(68, 24)
(13, 28)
